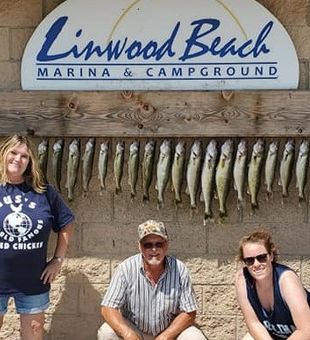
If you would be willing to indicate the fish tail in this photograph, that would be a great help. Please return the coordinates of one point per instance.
(207, 217)
(70, 194)
(145, 197)
(222, 213)
(269, 195)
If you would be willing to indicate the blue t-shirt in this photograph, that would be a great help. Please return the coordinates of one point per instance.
(279, 322)
(26, 219)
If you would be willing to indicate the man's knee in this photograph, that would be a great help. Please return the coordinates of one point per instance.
(192, 333)
(105, 332)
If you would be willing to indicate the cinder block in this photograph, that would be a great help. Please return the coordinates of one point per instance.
(305, 272)
(288, 12)
(4, 43)
(87, 270)
(208, 271)
(219, 300)
(303, 75)
(49, 5)
(90, 299)
(9, 76)
(20, 13)
(19, 39)
(300, 35)
(218, 328)
(64, 298)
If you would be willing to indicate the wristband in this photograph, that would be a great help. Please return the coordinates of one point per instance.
(60, 259)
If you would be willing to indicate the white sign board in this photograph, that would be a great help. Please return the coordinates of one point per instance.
(159, 45)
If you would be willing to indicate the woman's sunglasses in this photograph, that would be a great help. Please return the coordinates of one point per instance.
(150, 245)
(261, 258)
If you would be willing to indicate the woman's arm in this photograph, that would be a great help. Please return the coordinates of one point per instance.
(53, 267)
(255, 327)
(295, 297)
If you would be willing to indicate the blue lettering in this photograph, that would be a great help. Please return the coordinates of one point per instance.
(193, 40)
(42, 72)
(148, 72)
(195, 47)
(177, 72)
(272, 70)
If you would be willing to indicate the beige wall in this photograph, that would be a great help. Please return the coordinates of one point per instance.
(105, 228)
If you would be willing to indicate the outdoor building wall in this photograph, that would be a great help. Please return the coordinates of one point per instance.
(106, 225)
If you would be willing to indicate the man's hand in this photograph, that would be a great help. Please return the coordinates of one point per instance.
(163, 336)
(131, 335)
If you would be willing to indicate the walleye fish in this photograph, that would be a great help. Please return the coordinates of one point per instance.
(57, 162)
(177, 171)
(193, 172)
(103, 164)
(118, 165)
(301, 169)
(208, 178)
(239, 170)
(147, 168)
(286, 166)
(72, 167)
(88, 160)
(43, 157)
(133, 166)
(254, 173)
(270, 166)
(223, 175)
(163, 169)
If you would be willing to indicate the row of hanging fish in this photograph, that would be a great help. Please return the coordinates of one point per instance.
(208, 171)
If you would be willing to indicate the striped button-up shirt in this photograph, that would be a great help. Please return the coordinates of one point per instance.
(151, 308)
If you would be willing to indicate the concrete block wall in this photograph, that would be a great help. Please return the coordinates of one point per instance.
(105, 227)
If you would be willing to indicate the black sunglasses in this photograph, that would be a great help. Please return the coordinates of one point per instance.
(261, 258)
(150, 245)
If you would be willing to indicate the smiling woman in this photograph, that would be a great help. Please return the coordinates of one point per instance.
(271, 296)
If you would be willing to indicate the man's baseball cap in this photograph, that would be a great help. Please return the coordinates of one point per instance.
(152, 227)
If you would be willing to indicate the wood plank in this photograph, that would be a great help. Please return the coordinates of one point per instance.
(156, 114)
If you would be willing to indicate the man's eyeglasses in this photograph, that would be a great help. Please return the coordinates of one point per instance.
(150, 245)
(261, 258)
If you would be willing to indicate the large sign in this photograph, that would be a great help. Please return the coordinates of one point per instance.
(159, 45)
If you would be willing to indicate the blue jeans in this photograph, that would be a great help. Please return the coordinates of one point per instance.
(25, 304)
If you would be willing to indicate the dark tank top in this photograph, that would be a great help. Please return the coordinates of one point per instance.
(279, 322)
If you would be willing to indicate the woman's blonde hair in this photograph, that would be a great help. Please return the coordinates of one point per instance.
(32, 174)
(261, 236)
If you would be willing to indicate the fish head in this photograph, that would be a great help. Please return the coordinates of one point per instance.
(165, 147)
(241, 151)
(212, 150)
(304, 147)
(273, 147)
(104, 147)
(196, 149)
(227, 149)
(149, 147)
(134, 147)
(180, 148)
(258, 147)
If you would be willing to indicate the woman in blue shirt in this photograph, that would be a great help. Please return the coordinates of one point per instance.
(29, 210)
(272, 299)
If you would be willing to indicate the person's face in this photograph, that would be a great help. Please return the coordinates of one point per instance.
(154, 249)
(17, 161)
(257, 260)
